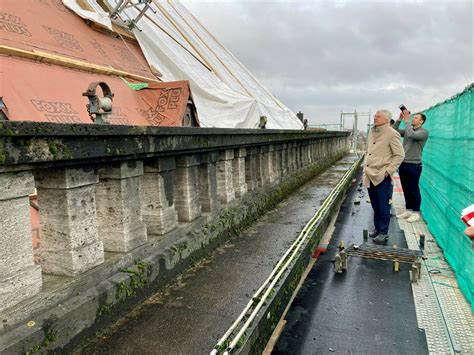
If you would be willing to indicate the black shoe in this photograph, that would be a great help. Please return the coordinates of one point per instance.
(373, 233)
(381, 238)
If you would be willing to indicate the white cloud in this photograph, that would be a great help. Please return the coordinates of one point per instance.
(323, 57)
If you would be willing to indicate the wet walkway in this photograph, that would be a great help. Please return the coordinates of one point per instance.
(369, 309)
(193, 313)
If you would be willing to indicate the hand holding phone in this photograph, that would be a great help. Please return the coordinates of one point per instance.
(405, 114)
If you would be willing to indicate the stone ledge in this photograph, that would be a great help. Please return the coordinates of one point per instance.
(51, 144)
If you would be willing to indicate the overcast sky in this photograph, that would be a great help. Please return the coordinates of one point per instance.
(322, 57)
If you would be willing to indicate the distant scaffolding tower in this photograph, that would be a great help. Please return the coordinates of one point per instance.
(355, 130)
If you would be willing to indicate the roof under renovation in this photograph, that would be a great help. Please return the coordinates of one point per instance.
(155, 62)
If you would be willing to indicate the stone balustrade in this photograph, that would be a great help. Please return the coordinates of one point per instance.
(110, 188)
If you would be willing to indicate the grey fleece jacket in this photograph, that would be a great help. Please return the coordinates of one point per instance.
(414, 140)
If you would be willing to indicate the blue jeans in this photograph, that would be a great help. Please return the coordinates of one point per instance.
(379, 196)
(409, 178)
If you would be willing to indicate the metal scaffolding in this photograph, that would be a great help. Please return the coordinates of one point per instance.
(355, 130)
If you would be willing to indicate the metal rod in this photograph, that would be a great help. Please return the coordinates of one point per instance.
(281, 266)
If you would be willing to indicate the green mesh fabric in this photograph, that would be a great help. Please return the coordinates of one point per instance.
(447, 182)
(135, 86)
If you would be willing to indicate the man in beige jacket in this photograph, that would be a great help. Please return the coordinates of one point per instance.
(384, 155)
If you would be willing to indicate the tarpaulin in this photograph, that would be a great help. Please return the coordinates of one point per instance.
(90, 11)
(225, 92)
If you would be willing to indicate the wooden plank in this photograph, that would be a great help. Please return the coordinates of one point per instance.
(117, 31)
(274, 338)
(45, 57)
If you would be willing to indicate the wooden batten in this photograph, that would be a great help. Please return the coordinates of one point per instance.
(117, 31)
(45, 57)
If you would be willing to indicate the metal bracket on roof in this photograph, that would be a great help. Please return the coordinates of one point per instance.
(101, 107)
(119, 14)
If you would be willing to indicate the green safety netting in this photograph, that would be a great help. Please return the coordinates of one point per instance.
(447, 182)
(135, 86)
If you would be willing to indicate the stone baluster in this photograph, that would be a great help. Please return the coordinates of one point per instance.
(267, 164)
(20, 278)
(294, 157)
(276, 162)
(225, 184)
(299, 155)
(282, 163)
(186, 188)
(70, 242)
(272, 163)
(310, 152)
(319, 150)
(307, 157)
(238, 172)
(156, 195)
(251, 168)
(284, 160)
(208, 181)
(120, 221)
(291, 157)
(314, 151)
(302, 154)
(259, 164)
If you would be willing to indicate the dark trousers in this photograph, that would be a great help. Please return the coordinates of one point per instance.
(410, 177)
(379, 196)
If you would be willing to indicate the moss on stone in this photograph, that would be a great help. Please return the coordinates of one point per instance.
(50, 335)
(138, 280)
(5, 131)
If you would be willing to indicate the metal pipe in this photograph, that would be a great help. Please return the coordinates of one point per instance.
(269, 283)
(304, 234)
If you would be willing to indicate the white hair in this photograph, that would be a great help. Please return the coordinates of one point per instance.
(387, 114)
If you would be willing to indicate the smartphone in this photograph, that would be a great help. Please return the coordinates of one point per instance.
(402, 107)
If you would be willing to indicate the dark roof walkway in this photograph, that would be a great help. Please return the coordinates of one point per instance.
(368, 309)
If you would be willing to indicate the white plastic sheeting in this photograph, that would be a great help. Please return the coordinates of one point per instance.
(226, 94)
(98, 15)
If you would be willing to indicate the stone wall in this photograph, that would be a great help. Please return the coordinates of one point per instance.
(111, 197)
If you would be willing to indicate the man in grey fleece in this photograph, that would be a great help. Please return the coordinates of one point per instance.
(414, 139)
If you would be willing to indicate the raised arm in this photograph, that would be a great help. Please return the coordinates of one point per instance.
(397, 124)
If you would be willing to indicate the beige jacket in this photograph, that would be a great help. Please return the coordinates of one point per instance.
(384, 154)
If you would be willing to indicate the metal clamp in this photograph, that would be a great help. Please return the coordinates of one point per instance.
(99, 107)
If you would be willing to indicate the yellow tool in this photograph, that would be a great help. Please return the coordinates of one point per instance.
(341, 245)
(396, 264)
